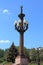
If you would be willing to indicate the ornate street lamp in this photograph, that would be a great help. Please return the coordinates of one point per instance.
(21, 26)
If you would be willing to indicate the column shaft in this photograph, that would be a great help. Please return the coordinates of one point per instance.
(21, 43)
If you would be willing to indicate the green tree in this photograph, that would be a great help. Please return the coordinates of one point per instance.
(5, 54)
(1, 53)
(12, 53)
(41, 54)
(33, 54)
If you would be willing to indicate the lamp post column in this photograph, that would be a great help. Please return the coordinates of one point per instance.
(21, 43)
(21, 26)
(21, 16)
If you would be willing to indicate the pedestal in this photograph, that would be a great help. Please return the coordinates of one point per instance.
(21, 60)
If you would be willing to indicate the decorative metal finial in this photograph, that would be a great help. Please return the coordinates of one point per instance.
(21, 9)
(21, 15)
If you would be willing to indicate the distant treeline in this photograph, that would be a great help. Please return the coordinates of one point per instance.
(10, 54)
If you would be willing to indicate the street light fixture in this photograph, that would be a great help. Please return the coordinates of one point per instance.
(19, 27)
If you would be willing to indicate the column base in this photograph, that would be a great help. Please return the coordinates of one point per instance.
(21, 60)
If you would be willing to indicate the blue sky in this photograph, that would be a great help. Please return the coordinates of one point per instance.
(33, 10)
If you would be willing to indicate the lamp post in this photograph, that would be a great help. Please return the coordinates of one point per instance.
(21, 26)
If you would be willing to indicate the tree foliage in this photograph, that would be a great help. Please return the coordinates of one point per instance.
(33, 54)
(1, 53)
(12, 53)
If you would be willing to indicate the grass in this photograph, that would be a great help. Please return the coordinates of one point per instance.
(7, 63)
(34, 64)
(28, 64)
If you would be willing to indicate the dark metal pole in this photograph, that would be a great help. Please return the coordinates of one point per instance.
(21, 43)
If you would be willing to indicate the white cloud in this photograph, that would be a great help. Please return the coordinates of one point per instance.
(6, 11)
(4, 41)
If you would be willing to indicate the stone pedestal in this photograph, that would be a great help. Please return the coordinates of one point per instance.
(21, 60)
